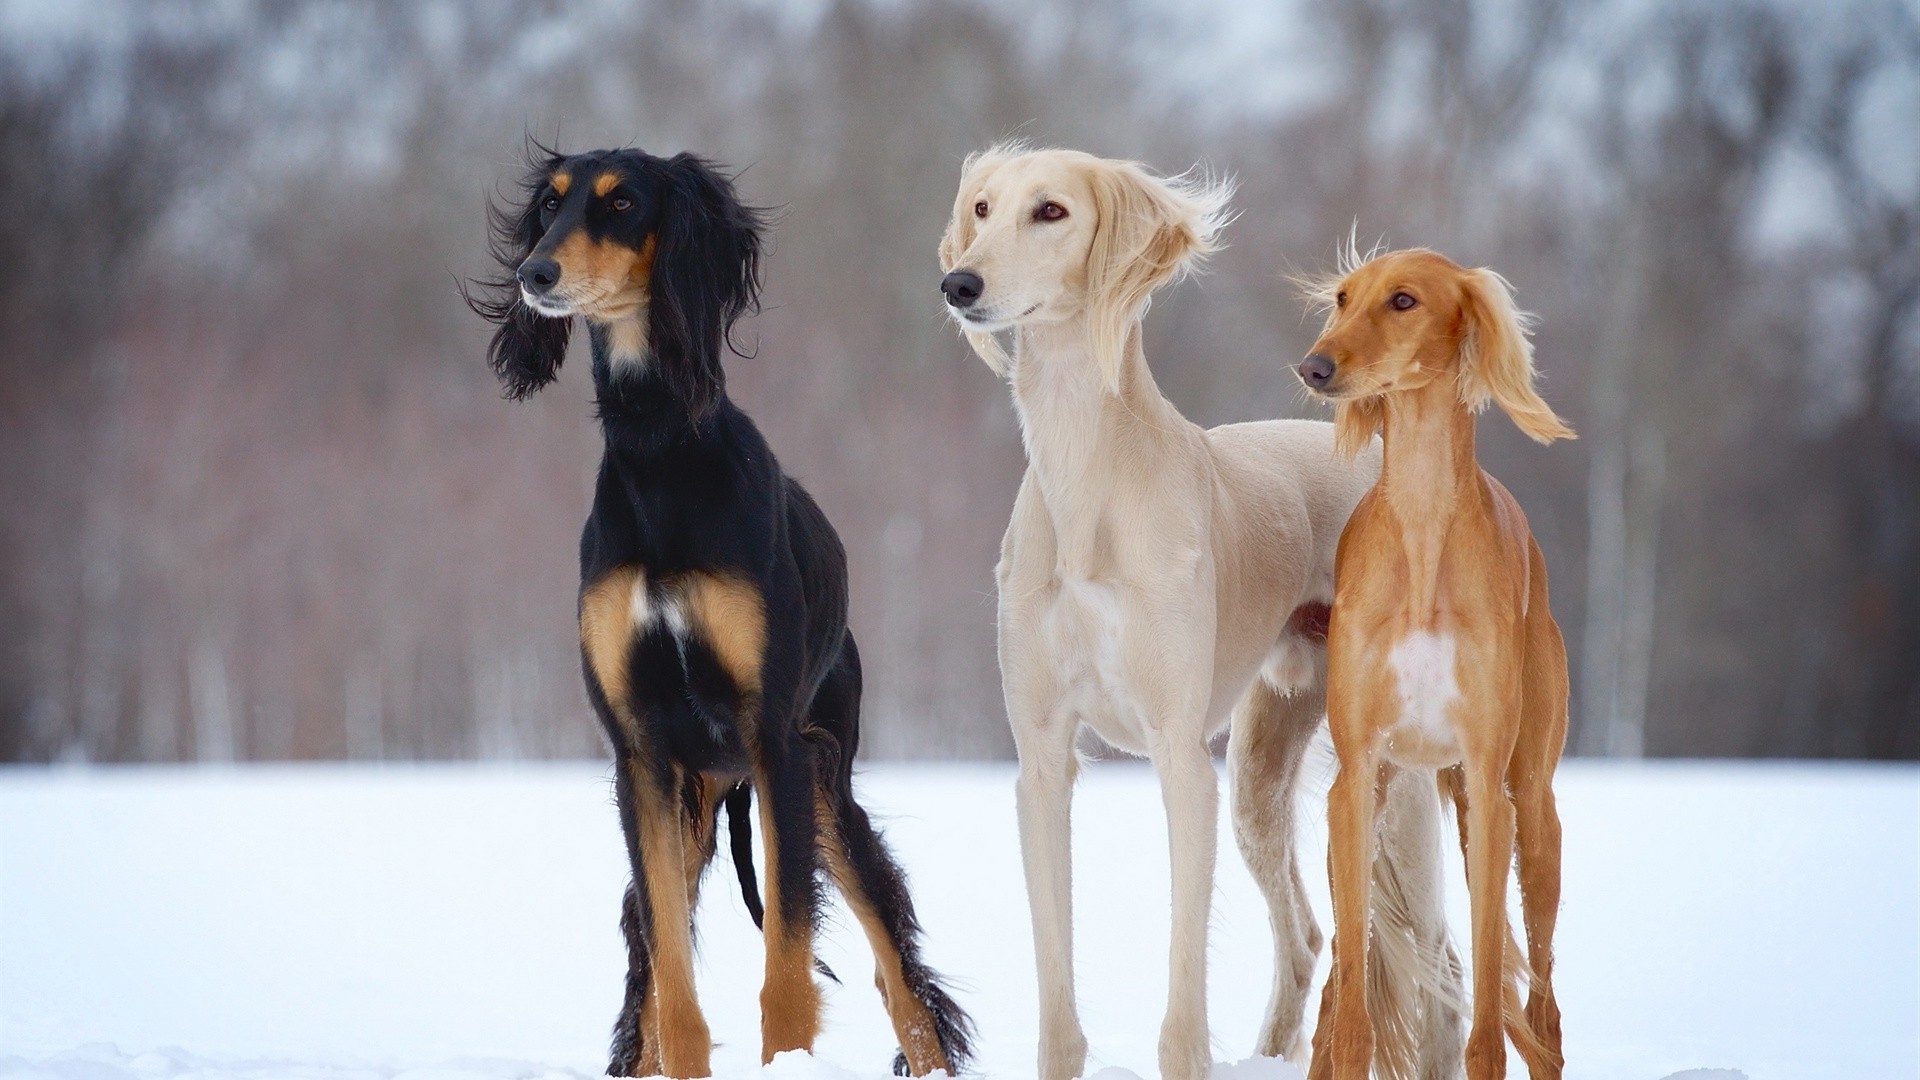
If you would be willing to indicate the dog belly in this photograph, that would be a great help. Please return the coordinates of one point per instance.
(1426, 686)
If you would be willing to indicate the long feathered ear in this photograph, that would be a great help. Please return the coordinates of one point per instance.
(1496, 359)
(527, 347)
(960, 233)
(1355, 423)
(1151, 231)
(706, 274)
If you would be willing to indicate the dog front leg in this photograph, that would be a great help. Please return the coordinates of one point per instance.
(789, 998)
(1192, 797)
(1044, 795)
(685, 1043)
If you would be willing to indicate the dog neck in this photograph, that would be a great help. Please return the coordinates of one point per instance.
(1429, 475)
(622, 341)
(1082, 438)
(628, 388)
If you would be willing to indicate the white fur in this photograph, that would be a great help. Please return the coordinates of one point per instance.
(650, 606)
(1426, 679)
(627, 341)
(1145, 582)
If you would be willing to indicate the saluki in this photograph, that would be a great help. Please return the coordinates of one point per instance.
(1443, 653)
(1158, 582)
(713, 606)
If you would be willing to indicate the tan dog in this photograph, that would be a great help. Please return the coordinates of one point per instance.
(1443, 653)
(1158, 582)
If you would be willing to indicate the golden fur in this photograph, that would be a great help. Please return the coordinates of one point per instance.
(1442, 653)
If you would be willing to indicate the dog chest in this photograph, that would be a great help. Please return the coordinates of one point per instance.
(1084, 628)
(678, 659)
(1426, 685)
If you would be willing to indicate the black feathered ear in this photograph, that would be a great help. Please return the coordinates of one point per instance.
(706, 274)
(527, 346)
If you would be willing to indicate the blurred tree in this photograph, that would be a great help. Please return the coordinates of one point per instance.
(262, 501)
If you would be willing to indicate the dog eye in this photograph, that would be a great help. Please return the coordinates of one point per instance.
(1050, 211)
(980, 208)
(1402, 302)
(552, 204)
(622, 204)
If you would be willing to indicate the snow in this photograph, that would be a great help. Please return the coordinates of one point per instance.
(442, 922)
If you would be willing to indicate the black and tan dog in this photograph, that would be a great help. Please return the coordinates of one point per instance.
(713, 605)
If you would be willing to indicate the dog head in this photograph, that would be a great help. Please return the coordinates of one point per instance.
(1398, 321)
(621, 237)
(1045, 235)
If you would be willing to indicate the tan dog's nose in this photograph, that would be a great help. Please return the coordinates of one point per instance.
(1316, 370)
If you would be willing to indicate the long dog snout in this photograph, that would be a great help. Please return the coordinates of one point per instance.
(962, 288)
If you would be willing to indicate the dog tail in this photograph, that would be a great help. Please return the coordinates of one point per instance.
(1414, 992)
(1514, 969)
(739, 807)
(739, 804)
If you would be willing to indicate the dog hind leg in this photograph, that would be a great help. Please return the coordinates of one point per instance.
(1414, 991)
(1271, 730)
(934, 1033)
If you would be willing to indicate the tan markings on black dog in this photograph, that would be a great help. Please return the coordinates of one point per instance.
(641, 276)
(684, 1038)
(561, 182)
(605, 183)
(913, 1025)
(789, 999)
(649, 1063)
(593, 271)
(730, 617)
(702, 831)
(606, 634)
(699, 834)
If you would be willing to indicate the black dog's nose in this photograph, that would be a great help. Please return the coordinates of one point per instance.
(538, 275)
(962, 287)
(1316, 370)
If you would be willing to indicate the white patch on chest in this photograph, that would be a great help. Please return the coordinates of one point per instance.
(627, 342)
(651, 606)
(1426, 680)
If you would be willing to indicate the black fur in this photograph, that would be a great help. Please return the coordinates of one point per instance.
(688, 486)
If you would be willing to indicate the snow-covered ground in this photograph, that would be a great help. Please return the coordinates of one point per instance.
(456, 921)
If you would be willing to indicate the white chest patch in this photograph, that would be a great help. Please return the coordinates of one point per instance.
(1425, 678)
(650, 607)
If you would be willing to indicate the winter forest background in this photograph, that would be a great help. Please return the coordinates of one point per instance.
(259, 498)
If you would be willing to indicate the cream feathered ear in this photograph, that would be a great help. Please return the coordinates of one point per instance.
(1150, 231)
(1496, 358)
(960, 233)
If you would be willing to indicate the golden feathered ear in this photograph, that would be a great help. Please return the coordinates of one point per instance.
(1150, 231)
(1355, 423)
(960, 233)
(1496, 359)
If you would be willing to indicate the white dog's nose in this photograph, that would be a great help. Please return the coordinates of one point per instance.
(962, 288)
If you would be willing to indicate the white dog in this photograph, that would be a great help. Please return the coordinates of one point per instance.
(1158, 580)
